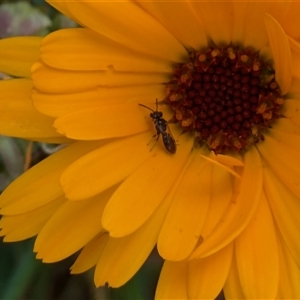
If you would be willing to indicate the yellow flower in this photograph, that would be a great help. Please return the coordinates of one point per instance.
(223, 210)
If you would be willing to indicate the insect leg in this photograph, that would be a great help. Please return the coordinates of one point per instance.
(157, 137)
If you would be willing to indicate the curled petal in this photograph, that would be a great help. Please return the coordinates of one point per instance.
(281, 53)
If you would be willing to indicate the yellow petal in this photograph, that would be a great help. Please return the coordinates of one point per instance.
(108, 19)
(257, 255)
(190, 32)
(55, 105)
(205, 276)
(144, 190)
(104, 167)
(214, 159)
(249, 27)
(229, 160)
(217, 19)
(221, 196)
(288, 139)
(40, 184)
(255, 34)
(289, 287)
(285, 208)
(295, 57)
(241, 209)
(90, 254)
(291, 21)
(107, 121)
(46, 79)
(24, 226)
(122, 257)
(281, 53)
(284, 126)
(239, 14)
(172, 281)
(279, 10)
(182, 226)
(292, 110)
(232, 287)
(58, 239)
(17, 55)
(294, 91)
(284, 162)
(18, 116)
(82, 49)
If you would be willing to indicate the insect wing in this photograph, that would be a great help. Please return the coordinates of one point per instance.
(169, 141)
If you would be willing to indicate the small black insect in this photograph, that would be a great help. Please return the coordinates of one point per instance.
(162, 128)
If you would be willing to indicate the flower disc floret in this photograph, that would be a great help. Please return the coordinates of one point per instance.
(226, 96)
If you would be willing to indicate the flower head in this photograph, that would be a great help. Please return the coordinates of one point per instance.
(222, 210)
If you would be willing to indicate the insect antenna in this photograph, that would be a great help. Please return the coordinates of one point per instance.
(146, 107)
